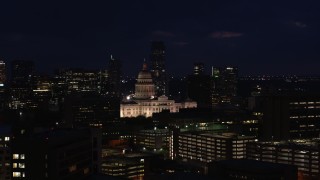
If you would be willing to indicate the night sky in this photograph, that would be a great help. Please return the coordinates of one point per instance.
(260, 37)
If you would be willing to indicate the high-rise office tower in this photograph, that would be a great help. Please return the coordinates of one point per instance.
(230, 78)
(114, 77)
(225, 82)
(199, 86)
(42, 91)
(103, 81)
(22, 72)
(2, 73)
(198, 69)
(2, 83)
(216, 86)
(158, 68)
(79, 80)
(21, 83)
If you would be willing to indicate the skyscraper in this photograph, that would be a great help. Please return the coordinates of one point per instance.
(230, 78)
(22, 72)
(114, 77)
(79, 80)
(158, 68)
(2, 83)
(198, 68)
(2, 73)
(225, 82)
(21, 85)
(199, 86)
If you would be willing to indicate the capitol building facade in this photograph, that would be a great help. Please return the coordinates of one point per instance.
(144, 102)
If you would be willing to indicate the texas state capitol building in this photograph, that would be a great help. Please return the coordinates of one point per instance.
(144, 102)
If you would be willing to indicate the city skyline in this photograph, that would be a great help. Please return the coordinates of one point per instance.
(271, 37)
(160, 90)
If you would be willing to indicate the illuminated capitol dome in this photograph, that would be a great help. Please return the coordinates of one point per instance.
(144, 102)
(144, 88)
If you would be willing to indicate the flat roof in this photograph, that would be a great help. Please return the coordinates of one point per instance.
(222, 135)
(310, 143)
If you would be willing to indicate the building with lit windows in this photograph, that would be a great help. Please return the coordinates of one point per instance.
(5, 152)
(123, 167)
(2, 73)
(22, 72)
(80, 80)
(144, 102)
(155, 140)
(53, 155)
(225, 85)
(2, 83)
(90, 109)
(59, 89)
(288, 116)
(114, 77)
(129, 165)
(198, 68)
(41, 91)
(158, 68)
(21, 84)
(305, 154)
(207, 147)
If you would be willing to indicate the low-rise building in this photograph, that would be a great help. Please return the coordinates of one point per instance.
(305, 154)
(5, 152)
(207, 147)
(152, 140)
(60, 154)
(123, 167)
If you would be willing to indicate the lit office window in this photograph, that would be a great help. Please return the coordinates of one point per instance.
(21, 165)
(22, 156)
(15, 156)
(6, 138)
(86, 171)
(72, 168)
(16, 174)
(22, 131)
(14, 165)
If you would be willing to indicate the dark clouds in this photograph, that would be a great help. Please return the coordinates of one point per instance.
(225, 34)
(261, 37)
